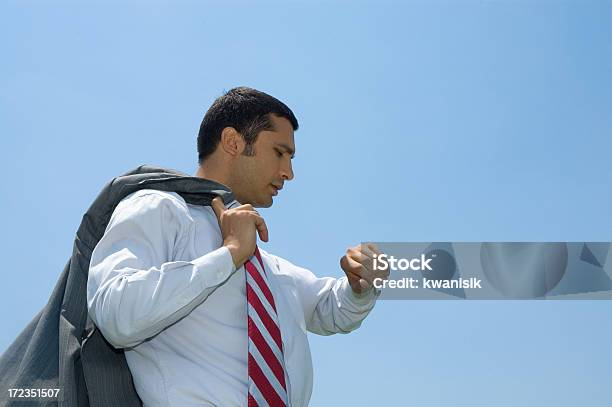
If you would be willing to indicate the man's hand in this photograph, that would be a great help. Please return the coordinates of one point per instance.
(238, 226)
(357, 264)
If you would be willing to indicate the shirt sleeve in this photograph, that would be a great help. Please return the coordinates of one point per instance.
(330, 306)
(134, 289)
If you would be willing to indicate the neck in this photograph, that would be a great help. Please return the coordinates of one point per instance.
(207, 173)
(213, 173)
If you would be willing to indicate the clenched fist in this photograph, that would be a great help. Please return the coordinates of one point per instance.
(238, 228)
(357, 264)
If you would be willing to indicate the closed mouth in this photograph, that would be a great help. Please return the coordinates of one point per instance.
(276, 188)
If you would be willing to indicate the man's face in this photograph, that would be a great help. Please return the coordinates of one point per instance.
(259, 177)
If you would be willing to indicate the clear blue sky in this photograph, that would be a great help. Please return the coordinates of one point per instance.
(420, 121)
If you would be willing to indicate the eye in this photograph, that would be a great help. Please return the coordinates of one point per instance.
(278, 152)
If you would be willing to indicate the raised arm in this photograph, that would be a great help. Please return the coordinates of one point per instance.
(330, 305)
(135, 288)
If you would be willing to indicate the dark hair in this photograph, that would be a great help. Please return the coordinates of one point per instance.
(245, 109)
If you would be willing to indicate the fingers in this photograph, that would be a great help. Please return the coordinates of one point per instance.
(244, 210)
(357, 270)
(362, 257)
(368, 249)
(218, 207)
(262, 228)
(245, 207)
(359, 262)
(364, 254)
(373, 248)
(364, 284)
(260, 223)
(354, 266)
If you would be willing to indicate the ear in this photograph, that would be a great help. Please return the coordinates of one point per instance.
(232, 142)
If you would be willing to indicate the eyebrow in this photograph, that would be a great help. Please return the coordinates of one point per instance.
(287, 148)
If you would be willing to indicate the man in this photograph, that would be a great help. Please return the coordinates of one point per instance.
(203, 315)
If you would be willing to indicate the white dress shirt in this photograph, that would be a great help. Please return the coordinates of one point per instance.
(162, 286)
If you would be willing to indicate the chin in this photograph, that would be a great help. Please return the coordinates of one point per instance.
(264, 202)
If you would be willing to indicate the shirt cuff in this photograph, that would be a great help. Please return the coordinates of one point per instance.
(215, 267)
(365, 299)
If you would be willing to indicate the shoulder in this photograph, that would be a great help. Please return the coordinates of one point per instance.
(153, 198)
(150, 203)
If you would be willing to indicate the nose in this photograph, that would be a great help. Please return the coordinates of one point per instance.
(287, 171)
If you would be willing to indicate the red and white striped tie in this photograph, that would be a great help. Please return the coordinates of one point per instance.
(266, 364)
